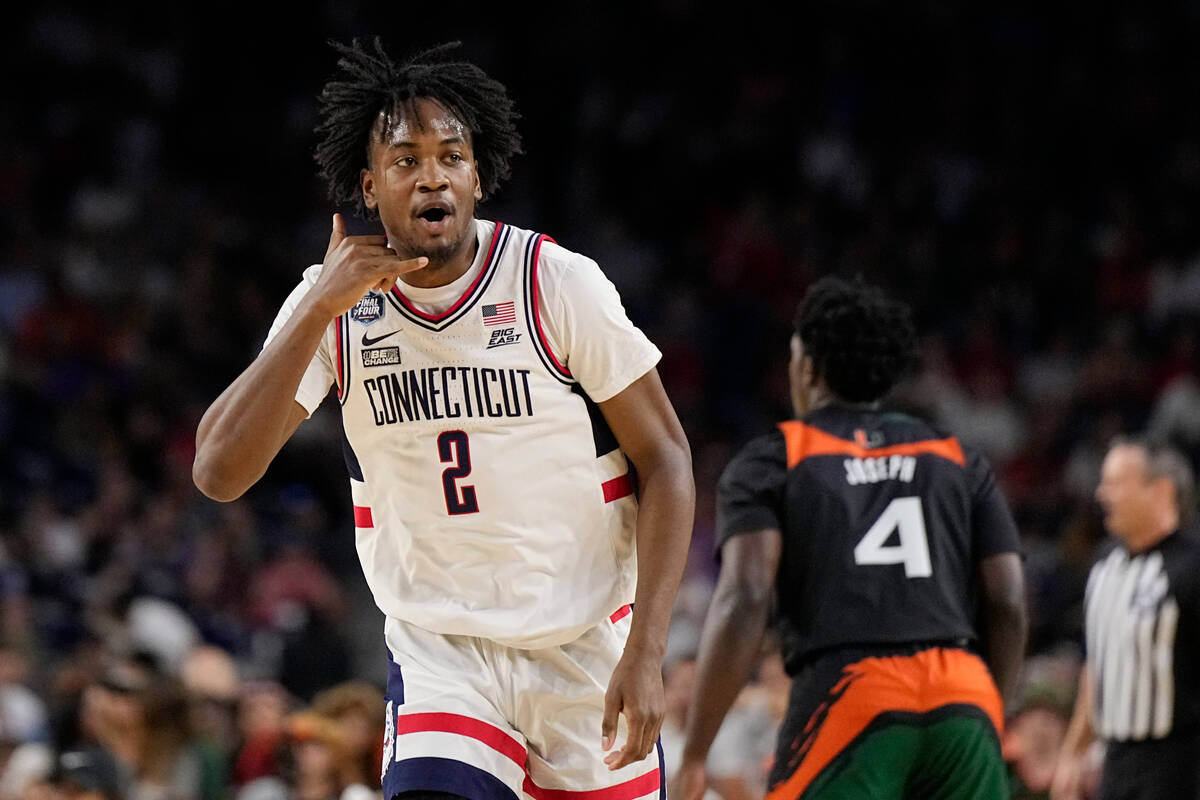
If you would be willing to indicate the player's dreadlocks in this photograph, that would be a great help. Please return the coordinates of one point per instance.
(860, 342)
(370, 83)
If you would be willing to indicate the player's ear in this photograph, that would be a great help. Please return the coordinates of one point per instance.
(475, 178)
(808, 372)
(367, 179)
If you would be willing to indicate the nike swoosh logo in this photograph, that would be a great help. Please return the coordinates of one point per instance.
(368, 341)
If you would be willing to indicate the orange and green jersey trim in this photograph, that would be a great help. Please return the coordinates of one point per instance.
(806, 441)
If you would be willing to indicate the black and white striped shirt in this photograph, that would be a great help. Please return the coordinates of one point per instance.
(1142, 637)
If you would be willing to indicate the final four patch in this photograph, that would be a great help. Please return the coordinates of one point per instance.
(369, 309)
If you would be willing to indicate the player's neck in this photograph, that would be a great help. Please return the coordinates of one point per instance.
(442, 270)
(824, 399)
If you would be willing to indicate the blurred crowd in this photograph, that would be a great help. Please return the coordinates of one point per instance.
(1029, 183)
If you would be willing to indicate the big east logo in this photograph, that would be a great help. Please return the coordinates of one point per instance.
(503, 336)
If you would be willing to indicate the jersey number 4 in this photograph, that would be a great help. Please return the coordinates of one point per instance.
(455, 449)
(905, 517)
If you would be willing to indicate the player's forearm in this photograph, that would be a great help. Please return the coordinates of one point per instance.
(729, 649)
(666, 514)
(244, 428)
(1005, 632)
(1005, 621)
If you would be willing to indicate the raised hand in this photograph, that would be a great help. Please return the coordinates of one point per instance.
(354, 265)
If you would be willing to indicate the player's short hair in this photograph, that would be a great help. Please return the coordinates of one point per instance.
(1165, 461)
(369, 85)
(861, 342)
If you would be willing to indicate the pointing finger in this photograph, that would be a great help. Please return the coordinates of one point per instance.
(409, 265)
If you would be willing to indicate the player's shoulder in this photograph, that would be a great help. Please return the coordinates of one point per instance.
(554, 260)
(308, 279)
(765, 451)
(311, 274)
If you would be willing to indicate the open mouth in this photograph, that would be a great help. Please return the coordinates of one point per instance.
(433, 214)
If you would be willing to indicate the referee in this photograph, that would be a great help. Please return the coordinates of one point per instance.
(1139, 690)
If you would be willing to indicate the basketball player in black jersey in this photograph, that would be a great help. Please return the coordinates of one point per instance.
(890, 560)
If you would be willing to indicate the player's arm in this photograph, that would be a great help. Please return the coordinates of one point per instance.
(1079, 736)
(1001, 578)
(649, 433)
(1005, 621)
(729, 646)
(244, 428)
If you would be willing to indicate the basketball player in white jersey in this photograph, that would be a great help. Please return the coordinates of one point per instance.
(522, 489)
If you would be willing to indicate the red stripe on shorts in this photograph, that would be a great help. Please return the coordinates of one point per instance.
(462, 725)
(621, 613)
(628, 790)
(505, 745)
(363, 518)
(617, 488)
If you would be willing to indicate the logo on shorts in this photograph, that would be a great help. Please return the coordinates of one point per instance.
(368, 309)
(389, 737)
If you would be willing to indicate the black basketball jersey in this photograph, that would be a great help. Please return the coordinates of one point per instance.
(884, 520)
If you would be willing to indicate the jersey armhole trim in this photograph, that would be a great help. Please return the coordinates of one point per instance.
(343, 357)
(533, 315)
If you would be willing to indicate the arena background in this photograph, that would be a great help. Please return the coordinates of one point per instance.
(1029, 182)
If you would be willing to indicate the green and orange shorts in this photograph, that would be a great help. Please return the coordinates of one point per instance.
(886, 723)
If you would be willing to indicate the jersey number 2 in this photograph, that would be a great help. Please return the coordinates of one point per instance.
(905, 516)
(455, 449)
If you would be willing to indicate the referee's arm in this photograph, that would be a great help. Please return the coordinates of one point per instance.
(1069, 769)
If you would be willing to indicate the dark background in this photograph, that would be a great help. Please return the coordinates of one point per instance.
(1029, 180)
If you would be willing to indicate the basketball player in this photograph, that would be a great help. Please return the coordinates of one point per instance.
(892, 563)
(1140, 687)
(496, 401)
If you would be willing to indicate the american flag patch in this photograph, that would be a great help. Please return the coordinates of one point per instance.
(499, 314)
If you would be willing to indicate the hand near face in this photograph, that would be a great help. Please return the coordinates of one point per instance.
(355, 265)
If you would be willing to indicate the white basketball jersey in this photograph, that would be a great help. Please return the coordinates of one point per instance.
(490, 498)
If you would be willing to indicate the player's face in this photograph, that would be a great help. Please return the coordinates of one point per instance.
(1128, 498)
(424, 183)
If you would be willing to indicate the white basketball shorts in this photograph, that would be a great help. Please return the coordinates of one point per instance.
(474, 718)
